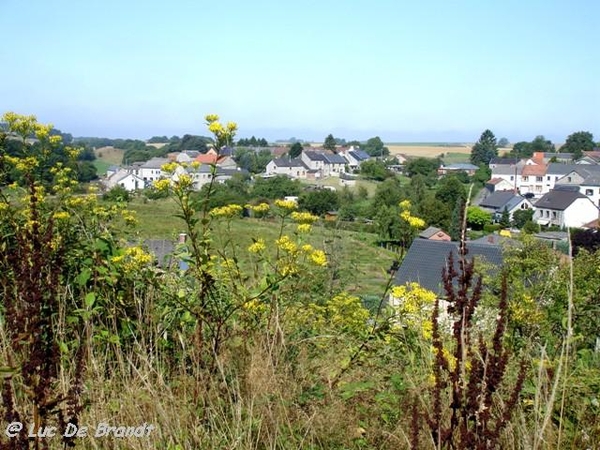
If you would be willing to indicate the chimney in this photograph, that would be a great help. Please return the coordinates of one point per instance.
(182, 238)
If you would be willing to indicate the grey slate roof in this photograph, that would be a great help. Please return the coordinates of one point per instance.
(461, 166)
(561, 169)
(430, 231)
(314, 156)
(498, 200)
(504, 161)
(286, 162)
(425, 260)
(560, 198)
(359, 155)
(332, 158)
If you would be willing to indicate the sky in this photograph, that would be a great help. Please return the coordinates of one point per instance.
(407, 71)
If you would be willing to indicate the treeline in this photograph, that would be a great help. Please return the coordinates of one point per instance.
(83, 166)
(138, 150)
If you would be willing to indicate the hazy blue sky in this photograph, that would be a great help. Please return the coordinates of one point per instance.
(420, 70)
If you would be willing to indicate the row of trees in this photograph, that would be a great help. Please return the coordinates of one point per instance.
(373, 146)
(486, 147)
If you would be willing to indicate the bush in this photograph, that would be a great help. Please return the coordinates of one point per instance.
(117, 194)
(491, 227)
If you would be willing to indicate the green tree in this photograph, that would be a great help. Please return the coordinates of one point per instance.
(375, 147)
(521, 217)
(329, 143)
(485, 149)
(456, 220)
(435, 212)
(505, 219)
(579, 142)
(450, 189)
(422, 166)
(375, 170)
(521, 149)
(503, 142)
(276, 187)
(319, 201)
(477, 217)
(295, 150)
(541, 144)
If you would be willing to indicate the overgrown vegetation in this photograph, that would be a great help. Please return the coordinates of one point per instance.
(253, 337)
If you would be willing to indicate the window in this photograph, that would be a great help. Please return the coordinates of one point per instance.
(547, 213)
(569, 179)
(554, 214)
(548, 177)
(539, 179)
(525, 178)
(589, 192)
(512, 178)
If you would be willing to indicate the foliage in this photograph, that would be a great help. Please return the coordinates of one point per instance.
(421, 166)
(117, 194)
(330, 143)
(505, 218)
(521, 217)
(468, 374)
(579, 142)
(252, 142)
(526, 149)
(276, 187)
(374, 147)
(319, 201)
(50, 238)
(450, 189)
(585, 239)
(477, 217)
(484, 149)
(252, 161)
(503, 142)
(295, 150)
(375, 170)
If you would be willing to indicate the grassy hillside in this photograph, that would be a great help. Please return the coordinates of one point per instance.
(110, 155)
(362, 265)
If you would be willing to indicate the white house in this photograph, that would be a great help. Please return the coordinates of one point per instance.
(587, 178)
(150, 170)
(354, 158)
(497, 202)
(293, 168)
(565, 206)
(126, 179)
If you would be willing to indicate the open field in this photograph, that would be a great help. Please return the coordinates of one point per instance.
(427, 150)
(110, 155)
(361, 263)
(101, 166)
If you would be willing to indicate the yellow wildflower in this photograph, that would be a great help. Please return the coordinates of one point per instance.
(169, 167)
(304, 217)
(307, 248)
(162, 185)
(304, 228)
(72, 152)
(318, 257)
(286, 244)
(258, 246)
(261, 208)
(55, 140)
(210, 118)
(195, 164)
(61, 215)
(288, 205)
(405, 204)
(3, 206)
(227, 211)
